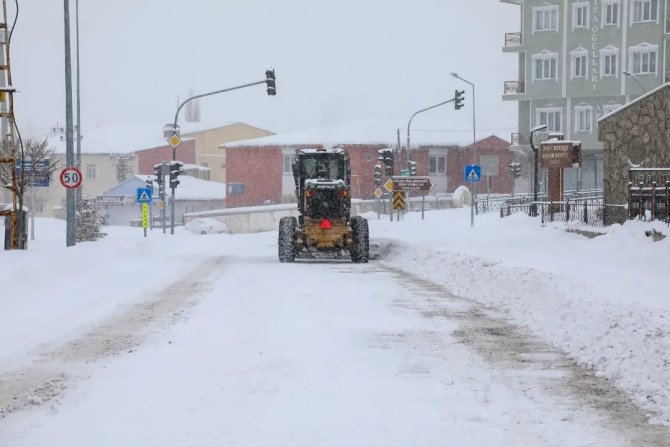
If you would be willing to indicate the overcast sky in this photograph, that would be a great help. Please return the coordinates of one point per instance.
(335, 61)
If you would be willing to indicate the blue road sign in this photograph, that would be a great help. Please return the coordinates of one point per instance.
(144, 195)
(473, 173)
(40, 173)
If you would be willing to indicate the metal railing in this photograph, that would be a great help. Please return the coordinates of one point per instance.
(513, 40)
(649, 202)
(492, 203)
(514, 88)
(585, 212)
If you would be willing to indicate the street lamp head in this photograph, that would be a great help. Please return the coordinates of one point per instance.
(627, 73)
(455, 75)
(538, 128)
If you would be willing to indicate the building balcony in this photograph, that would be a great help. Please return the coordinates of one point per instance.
(514, 88)
(513, 42)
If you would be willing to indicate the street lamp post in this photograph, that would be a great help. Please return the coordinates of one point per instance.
(474, 146)
(631, 75)
(535, 174)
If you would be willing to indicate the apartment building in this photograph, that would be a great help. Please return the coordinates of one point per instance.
(579, 60)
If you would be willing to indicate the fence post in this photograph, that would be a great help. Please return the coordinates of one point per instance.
(667, 202)
(641, 210)
(653, 200)
(551, 211)
(567, 211)
(586, 214)
(630, 200)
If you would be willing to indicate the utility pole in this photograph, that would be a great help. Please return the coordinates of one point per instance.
(70, 237)
(8, 130)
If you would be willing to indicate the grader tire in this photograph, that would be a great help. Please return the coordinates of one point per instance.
(360, 252)
(287, 226)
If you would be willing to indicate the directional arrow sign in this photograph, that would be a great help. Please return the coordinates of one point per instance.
(408, 184)
(473, 173)
(398, 200)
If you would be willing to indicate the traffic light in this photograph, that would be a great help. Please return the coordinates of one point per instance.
(411, 167)
(270, 82)
(158, 173)
(458, 99)
(378, 175)
(176, 169)
(150, 183)
(515, 169)
(388, 162)
(577, 154)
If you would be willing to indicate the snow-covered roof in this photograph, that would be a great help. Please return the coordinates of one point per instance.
(370, 131)
(125, 138)
(635, 101)
(190, 188)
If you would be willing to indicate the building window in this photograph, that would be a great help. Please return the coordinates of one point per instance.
(580, 15)
(609, 108)
(645, 11)
(438, 165)
(583, 116)
(609, 61)
(90, 172)
(643, 58)
(545, 18)
(579, 63)
(545, 65)
(551, 116)
(288, 163)
(368, 157)
(611, 12)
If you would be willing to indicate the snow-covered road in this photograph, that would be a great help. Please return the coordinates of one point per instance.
(244, 351)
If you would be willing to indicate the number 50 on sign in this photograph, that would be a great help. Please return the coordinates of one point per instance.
(71, 177)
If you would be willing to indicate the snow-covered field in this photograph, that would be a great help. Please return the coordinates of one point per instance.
(603, 301)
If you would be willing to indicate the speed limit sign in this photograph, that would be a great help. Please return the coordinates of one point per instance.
(70, 177)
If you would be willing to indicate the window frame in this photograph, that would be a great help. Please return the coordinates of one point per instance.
(653, 12)
(555, 111)
(616, 7)
(290, 158)
(437, 159)
(583, 109)
(552, 11)
(609, 51)
(545, 57)
(91, 168)
(642, 50)
(576, 7)
(581, 54)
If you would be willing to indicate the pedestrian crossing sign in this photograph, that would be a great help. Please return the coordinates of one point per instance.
(473, 173)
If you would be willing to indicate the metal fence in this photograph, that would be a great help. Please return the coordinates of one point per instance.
(590, 212)
(494, 203)
(649, 202)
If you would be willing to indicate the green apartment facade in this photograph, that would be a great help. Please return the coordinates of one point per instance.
(581, 59)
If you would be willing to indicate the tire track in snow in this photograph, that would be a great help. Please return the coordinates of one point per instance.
(51, 374)
(524, 359)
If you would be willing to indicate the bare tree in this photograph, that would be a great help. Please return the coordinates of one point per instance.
(30, 167)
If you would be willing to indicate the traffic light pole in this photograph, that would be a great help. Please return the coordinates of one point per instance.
(409, 124)
(269, 81)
